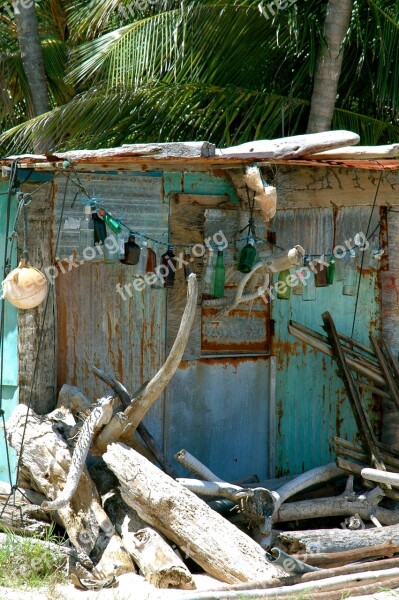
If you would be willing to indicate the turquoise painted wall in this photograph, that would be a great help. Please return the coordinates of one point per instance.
(311, 403)
(10, 351)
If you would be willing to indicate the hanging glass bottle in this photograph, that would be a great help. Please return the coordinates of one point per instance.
(297, 272)
(142, 265)
(309, 284)
(169, 261)
(350, 286)
(331, 271)
(207, 289)
(321, 272)
(219, 276)
(132, 252)
(247, 256)
(151, 260)
(86, 236)
(110, 221)
(375, 252)
(283, 289)
(188, 263)
(340, 268)
(100, 234)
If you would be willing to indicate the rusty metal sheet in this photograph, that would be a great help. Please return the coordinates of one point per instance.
(136, 198)
(96, 325)
(219, 410)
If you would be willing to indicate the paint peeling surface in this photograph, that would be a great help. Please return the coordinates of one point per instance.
(311, 403)
(123, 335)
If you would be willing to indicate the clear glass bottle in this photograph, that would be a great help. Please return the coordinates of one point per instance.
(350, 286)
(309, 284)
(111, 249)
(142, 265)
(86, 236)
(247, 256)
(340, 268)
(283, 289)
(207, 289)
(219, 276)
(374, 252)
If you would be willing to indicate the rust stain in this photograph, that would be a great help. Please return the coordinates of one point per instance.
(226, 361)
(244, 347)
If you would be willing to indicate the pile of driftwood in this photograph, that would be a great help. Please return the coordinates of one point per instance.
(123, 508)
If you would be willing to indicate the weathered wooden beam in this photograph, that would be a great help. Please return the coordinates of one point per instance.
(388, 151)
(291, 147)
(222, 201)
(363, 422)
(161, 150)
(314, 541)
(328, 560)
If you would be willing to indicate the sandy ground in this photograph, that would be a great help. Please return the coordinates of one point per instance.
(134, 587)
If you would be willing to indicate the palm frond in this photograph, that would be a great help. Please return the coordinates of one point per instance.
(159, 113)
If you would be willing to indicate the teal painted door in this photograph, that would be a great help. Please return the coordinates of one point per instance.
(9, 397)
(311, 403)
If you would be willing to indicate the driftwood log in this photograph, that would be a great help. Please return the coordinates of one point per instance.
(334, 540)
(21, 512)
(46, 457)
(292, 147)
(216, 545)
(365, 505)
(338, 559)
(159, 564)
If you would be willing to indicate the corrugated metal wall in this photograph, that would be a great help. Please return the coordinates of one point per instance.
(95, 324)
(311, 403)
(220, 404)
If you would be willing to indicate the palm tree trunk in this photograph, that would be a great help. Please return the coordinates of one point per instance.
(31, 54)
(328, 69)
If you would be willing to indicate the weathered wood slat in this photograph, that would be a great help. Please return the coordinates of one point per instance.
(291, 147)
(388, 151)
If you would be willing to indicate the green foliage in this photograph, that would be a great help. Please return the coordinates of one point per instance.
(26, 564)
(197, 69)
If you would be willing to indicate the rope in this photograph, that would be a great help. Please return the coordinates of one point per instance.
(362, 259)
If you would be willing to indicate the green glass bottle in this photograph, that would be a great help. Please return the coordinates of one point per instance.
(283, 289)
(110, 221)
(219, 276)
(247, 256)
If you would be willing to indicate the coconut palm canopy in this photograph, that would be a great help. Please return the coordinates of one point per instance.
(222, 70)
